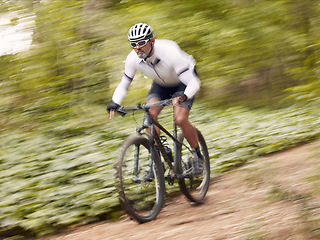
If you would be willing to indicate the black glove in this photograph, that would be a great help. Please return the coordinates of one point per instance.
(180, 94)
(113, 106)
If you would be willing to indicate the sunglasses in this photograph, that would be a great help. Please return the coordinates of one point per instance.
(140, 43)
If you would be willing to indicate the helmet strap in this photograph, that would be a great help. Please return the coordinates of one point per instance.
(149, 54)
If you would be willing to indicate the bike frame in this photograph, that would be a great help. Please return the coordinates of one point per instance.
(154, 137)
(145, 140)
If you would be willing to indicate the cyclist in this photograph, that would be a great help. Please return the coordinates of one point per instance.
(174, 77)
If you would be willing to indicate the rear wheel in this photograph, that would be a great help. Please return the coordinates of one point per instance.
(194, 188)
(140, 181)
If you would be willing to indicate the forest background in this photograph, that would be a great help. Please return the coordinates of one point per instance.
(258, 62)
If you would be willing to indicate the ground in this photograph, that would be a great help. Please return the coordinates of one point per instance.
(275, 197)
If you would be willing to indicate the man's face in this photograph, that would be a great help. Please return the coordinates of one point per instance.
(142, 47)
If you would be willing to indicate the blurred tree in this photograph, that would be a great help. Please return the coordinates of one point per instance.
(65, 65)
(306, 24)
(247, 52)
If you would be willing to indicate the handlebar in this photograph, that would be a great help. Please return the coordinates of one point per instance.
(163, 103)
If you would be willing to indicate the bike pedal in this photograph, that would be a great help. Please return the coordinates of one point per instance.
(170, 180)
(140, 180)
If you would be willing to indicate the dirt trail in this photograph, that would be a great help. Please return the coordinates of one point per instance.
(276, 197)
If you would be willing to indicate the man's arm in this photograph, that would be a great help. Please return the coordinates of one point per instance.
(119, 94)
(191, 80)
(183, 65)
(122, 89)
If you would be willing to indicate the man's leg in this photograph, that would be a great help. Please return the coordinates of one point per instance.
(181, 116)
(155, 111)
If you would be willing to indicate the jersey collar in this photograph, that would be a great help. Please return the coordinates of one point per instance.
(153, 60)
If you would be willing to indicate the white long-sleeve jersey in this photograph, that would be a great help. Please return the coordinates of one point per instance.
(168, 66)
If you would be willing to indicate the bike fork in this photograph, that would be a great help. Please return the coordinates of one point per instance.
(136, 161)
(175, 146)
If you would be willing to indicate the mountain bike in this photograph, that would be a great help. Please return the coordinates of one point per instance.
(141, 175)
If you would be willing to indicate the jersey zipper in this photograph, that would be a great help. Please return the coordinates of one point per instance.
(154, 69)
(157, 73)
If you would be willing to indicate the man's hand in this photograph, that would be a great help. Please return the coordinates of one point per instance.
(111, 113)
(178, 98)
(112, 107)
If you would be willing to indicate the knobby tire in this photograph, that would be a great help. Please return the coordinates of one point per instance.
(195, 189)
(142, 200)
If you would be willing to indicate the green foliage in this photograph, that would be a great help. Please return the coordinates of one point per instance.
(244, 49)
(247, 51)
(63, 174)
(57, 150)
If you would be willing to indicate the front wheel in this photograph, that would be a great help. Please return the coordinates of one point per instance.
(140, 180)
(194, 188)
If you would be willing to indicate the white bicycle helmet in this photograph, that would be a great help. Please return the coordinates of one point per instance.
(140, 31)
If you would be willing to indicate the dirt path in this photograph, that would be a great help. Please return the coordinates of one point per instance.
(276, 197)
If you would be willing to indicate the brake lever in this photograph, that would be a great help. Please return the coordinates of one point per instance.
(122, 111)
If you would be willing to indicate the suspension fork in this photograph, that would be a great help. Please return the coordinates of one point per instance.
(148, 123)
(175, 145)
(136, 160)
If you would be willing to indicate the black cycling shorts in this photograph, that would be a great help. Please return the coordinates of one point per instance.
(163, 93)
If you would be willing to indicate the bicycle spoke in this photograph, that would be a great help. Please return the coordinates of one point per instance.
(194, 188)
(141, 183)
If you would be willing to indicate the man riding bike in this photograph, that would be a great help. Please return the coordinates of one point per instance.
(174, 77)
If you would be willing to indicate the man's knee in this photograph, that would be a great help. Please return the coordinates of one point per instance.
(181, 119)
(154, 112)
(181, 116)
